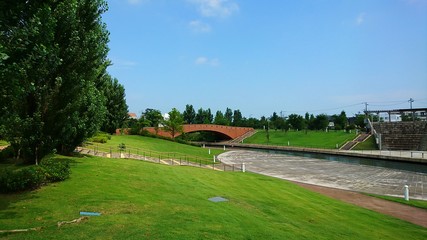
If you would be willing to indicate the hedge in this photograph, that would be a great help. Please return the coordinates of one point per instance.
(51, 169)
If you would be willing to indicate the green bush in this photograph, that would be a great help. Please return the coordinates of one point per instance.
(6, 153)
(100, 137)
(56, 169)
(27, 178)
(51, 169)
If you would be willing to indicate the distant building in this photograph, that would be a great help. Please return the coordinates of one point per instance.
(132, 116)
(393, 118)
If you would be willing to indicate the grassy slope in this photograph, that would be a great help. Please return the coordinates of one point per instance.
(147, 201)
(414, 203)
(133, 142)
(3, 143)
(368, 144)
(313, 139)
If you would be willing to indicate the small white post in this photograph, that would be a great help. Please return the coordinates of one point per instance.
(203, 145)
(209, 151)
(224, 147)
(243, 167)
(289, 143)
(406, 192)
(336, 145)
(214, 158)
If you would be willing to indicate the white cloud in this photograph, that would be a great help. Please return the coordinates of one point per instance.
(123, 64)
(201, 60)
(206, 61)
(216, 8)
(360, 18)
(136, 2)
(200, 27)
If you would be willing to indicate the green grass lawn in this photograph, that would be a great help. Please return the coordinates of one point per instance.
(309, 139)
(140, 200)
(368, 144)
(414, 203)
(145, 145)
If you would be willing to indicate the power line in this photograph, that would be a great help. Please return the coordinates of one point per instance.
(366, 104)
(329, 109)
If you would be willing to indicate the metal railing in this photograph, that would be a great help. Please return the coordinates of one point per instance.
(168, 158)
(376, 135)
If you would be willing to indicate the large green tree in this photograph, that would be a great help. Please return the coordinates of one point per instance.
(153, 117)
(189, 114)
(204, 116)
(321, 122)
(237, 118)
(228, 116)
(340, 121)
(173, 125)
(219, 118)
(117, 109)
(52, 58)
(296, 121)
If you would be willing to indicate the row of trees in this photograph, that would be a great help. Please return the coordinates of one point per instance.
(153, 118)
(55, 90)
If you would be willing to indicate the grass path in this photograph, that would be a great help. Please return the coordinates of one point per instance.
(141, 200)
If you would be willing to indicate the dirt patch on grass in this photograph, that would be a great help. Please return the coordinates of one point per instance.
(411, 214)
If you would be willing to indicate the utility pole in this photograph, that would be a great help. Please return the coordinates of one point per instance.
(410, 102)
(366, 106)
(413, 113)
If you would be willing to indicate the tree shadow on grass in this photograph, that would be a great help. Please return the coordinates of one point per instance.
(9, 200)
(8, 210)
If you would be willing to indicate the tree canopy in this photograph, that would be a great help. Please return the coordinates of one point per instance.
(173, 125)
(53, 60)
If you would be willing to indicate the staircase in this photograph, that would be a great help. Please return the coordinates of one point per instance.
(351, 144)
(402, 135)
(243, 137)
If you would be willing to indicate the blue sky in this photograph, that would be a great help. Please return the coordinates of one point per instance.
(317, 56)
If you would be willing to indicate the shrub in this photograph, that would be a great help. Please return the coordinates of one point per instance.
(27, 178)
(100, 137)
(6, 153)
(51, 169)
(56, 169)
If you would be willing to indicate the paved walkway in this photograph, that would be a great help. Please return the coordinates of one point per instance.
(341, 175)
(335, 179)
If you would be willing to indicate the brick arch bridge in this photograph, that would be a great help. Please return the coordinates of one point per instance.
(229, 131)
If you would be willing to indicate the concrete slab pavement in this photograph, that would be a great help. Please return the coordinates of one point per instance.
(341, 175)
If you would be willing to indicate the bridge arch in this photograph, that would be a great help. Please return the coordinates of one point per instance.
(229, 131)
